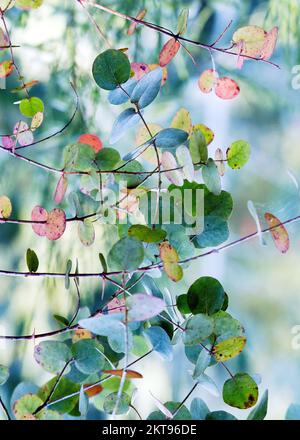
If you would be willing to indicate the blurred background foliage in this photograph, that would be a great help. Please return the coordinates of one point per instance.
(58, 45)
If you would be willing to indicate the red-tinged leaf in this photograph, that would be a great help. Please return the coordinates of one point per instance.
(39, 214)
(116, 305)
(56, 224)
(279, 233)
(24, 135)
(6, 68)
(269, 44)
(8, 142)
(165, 72)
(140, 16)
(207, 80)
(92, 140)
(130, 374)
(139, 70)
(227, 88)
(93, 391)
(61, 189)
(168, 52)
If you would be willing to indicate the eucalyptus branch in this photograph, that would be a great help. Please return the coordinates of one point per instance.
(165, 31)
(99, 382)
(145, 269)
(44, 404)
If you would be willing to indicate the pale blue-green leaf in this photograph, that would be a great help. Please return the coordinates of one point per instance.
(83, 402)
(142, 307)
(220, 415)
(121, 95)
(160, 342)
(202, 363)
(199, 409)
(208, 384)
(211, 177)
(126, 120)
(170, 138)
(293, 412)
(147, 88)
(185, 160)
(259, 412)
(215, 232)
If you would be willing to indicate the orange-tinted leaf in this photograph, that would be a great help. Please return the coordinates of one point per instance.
(130, 374)
(61, 189)
(269, 44)
(139, 70)
(207, 80)
(92, 140)
(133, 25)
(6, 68)
(93, 391)
(227, 88)
(279, 233)
(80, 334)
(168, 52)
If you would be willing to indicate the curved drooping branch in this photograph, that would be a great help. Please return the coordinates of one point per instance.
(168, 32)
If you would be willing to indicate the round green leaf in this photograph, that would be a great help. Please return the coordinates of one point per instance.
(110, 69)
(238, 154)
(206, 295)
(30, 106)
(126, 254)
(241, 391)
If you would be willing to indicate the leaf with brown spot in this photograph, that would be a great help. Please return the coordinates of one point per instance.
(207, 80)
(168, 52)
(229, 349)
(279, 233)
(227, 88)
(170, 261)
(56, 224)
